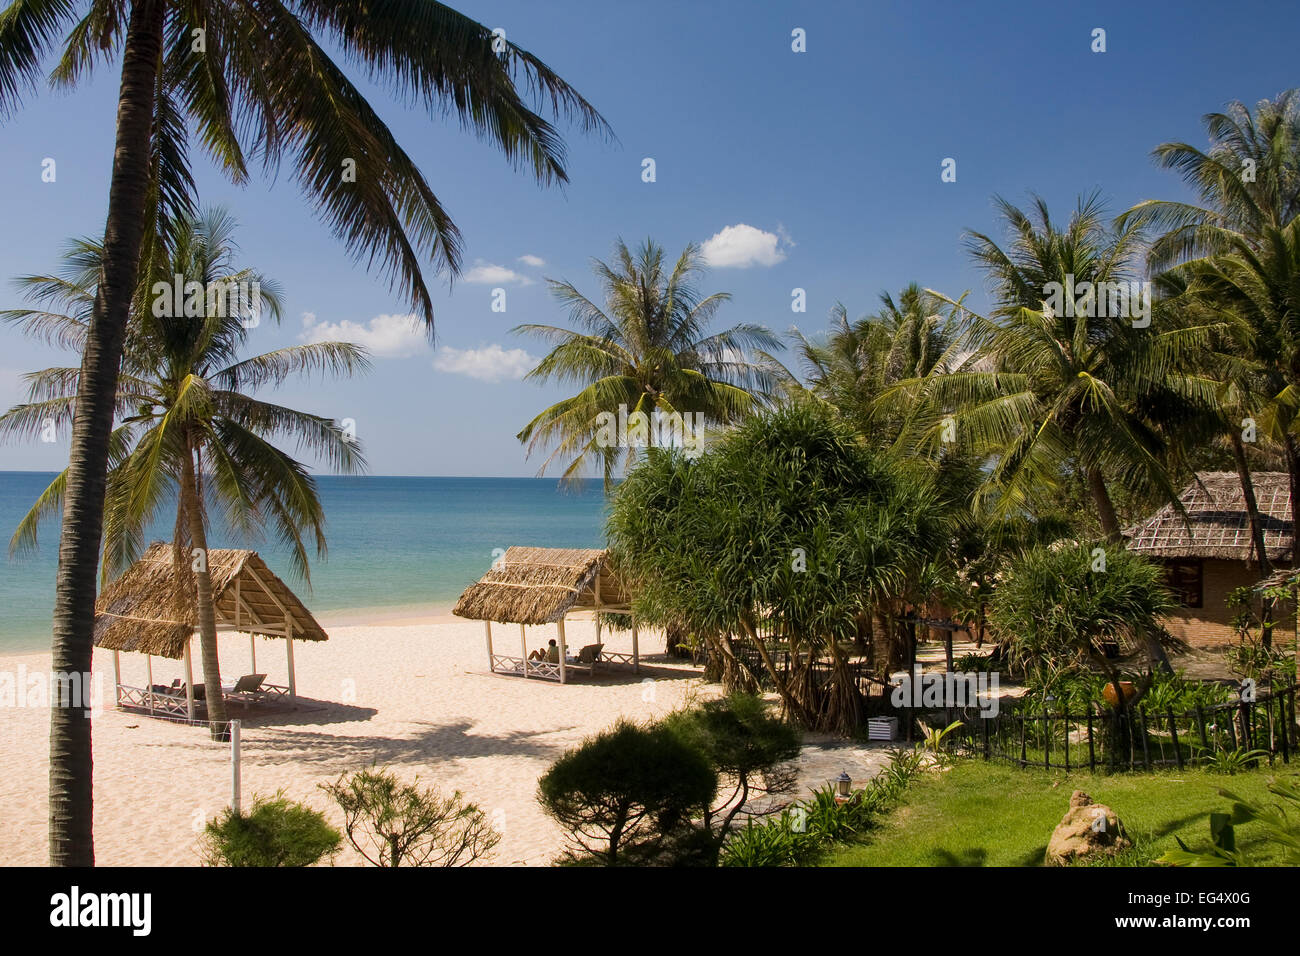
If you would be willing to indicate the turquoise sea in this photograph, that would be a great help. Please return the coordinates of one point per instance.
(394, 543)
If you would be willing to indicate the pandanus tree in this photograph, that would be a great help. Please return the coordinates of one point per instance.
(647, 350)
(777, 539)
(254, 82)
(1060, 367)
(191, 431)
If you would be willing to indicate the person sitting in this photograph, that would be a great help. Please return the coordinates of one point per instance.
(552, 652)
(537, 655)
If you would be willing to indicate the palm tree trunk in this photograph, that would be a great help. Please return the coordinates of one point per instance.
(1256, 532)
(1105, 510)
(71, 765)
(193, 505)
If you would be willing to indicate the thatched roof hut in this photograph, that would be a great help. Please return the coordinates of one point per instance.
(145, 611)
(541, 585)
(1216, 525)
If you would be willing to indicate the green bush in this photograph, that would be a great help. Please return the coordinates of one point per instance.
(630, 795)
(274, 832)
(395, 824)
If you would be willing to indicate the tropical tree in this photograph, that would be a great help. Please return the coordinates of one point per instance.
(646, 351)
(191, 429)
(852, 367)
(779, 539)
(256, 84)
(1064, 368)
(1248, 184)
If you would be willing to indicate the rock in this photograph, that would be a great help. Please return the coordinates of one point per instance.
(1087, 829)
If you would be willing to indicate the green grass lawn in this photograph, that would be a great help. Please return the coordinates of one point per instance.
(991, 814)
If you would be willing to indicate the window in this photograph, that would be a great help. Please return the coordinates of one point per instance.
(1186, 580)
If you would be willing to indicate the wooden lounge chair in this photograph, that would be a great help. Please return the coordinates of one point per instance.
(248, 688)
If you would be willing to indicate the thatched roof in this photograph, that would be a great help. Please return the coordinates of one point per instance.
(145, 610)
(1216, 525)
(540, 585)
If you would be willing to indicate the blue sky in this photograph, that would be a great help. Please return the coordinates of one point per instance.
(833, 153)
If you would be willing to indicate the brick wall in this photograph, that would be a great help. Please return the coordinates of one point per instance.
(1210, 624)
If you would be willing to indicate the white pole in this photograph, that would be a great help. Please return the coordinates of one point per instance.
(189, 681)
(148, 664)
(523, 648)
(636, 651)
(117, 678)
(252, 651)
(559, 627)
(487, 630)
(288, 646)
(234, 765)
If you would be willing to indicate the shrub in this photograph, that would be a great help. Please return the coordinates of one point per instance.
(395, 824)
(630, 795)
(1278, 825)
(274, 832)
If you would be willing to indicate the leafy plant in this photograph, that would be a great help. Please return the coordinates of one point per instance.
(1229, 762)
(275, 831)
(394, 824)
(1278, 825)
(934, 738)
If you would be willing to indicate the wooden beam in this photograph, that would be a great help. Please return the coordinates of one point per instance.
(117, 678)
(288, 649)
(189, 680)
(636, 651)
(523, 649)
(559, 627)
(487, 630)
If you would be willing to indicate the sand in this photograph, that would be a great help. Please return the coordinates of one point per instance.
(412, 697)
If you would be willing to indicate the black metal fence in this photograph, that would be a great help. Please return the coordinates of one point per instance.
(1137, 738)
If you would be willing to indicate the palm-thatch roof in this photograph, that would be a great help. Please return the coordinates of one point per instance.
(1216, 525)
(541, 585)
(148, 611)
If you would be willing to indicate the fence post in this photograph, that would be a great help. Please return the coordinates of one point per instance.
(1024, 762)
(1286, 730)
(1092, 750)
(1065, 716)
(234, 766)
(1047, 739)
(1146, 752)
(1173, 732)
(984, 724)
(1200, 723)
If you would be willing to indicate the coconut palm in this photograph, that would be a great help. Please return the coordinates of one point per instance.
(190, 429)
(852, 367)
(1057, 392)
(647, 350)
(255, 83)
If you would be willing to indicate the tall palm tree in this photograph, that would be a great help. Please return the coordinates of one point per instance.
(1061, 391)
(254, 81)
(190, 429)
(1248, 183)
(646, 350)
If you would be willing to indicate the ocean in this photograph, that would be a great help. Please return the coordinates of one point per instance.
(394, 544)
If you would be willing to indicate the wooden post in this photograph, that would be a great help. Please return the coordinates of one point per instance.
(1200, 723)
(288, 650)
(1146, 751)
(117, 678)
(234, 766)
(523, 648)
(559, 628)
(1024, 762)
(487, 633)
(1092, 747)
(1173, 732)
(189, 679)
(148, 669)
(636, 650)
(1065, 717)
(252, 651)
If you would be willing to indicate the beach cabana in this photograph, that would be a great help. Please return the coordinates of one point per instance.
(1208, 555)
(530, 586)
(146, 612)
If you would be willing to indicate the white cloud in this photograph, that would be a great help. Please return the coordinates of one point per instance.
(491, 363)
(741, 246)
(385, 336)
(488, 273)
(530, 260)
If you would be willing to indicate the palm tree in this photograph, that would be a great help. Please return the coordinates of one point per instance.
(647, 350)
(254, 81)
(190, 429)
(1249, 188)
(1063, 387)
(854, 366)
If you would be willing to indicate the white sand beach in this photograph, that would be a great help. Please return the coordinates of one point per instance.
(414, 697)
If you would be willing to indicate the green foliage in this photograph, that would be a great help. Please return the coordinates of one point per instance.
(629, 796)
(1280, 828)
(1054, 609)
(934, 737)
(1229, 762)
(395, 824)
(974, 663)
(275, 831)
